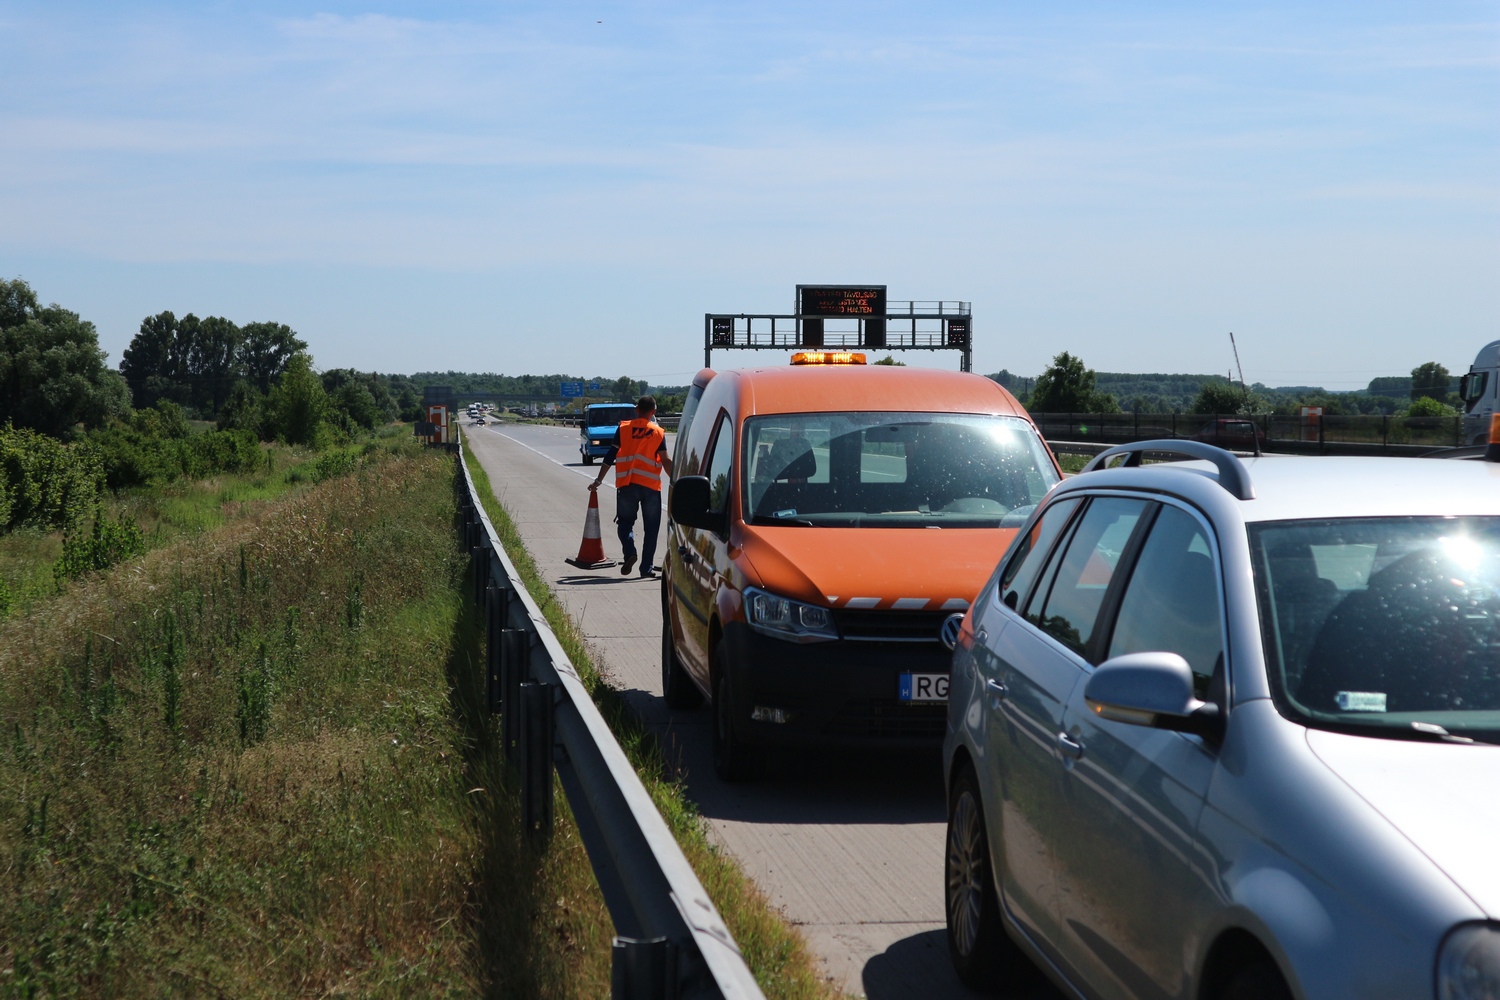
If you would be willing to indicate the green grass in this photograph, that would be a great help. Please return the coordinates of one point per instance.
(773, 950)
(238, 766)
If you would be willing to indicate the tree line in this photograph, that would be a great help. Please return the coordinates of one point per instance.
(1070, 386)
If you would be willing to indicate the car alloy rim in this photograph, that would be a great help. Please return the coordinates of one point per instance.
(965, 873)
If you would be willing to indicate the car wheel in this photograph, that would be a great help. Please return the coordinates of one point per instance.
(677, 687)
(588, 459)
(732, 760)
(982, 954)
(1260, 981)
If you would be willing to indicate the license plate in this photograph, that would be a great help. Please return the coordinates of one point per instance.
(924, 687)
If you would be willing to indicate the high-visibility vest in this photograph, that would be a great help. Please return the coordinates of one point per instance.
(636, 462)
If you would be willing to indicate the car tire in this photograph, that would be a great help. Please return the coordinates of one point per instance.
(588, 459)
(732, 760)
(1260, 981)
(677, 688)
(982, 954)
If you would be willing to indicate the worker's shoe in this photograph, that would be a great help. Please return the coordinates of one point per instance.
(647, 571)
(627, 565)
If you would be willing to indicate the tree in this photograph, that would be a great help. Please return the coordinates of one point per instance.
(1220, 396)
(1430, 380)
(889, 360)
(191, 361)
(1068, 387)
(265, 351)
(52, 372)
(297, 409)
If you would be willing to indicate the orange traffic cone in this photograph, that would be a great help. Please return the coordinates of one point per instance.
(591, 552)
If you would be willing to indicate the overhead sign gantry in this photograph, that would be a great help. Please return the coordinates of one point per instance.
(845, 316)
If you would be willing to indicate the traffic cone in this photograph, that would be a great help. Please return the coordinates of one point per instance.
(591, 552)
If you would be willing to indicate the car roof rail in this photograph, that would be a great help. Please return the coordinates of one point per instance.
(1233, 475)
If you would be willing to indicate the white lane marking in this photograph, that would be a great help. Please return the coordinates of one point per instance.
(562, 465)
(910, 603)
(863, 602)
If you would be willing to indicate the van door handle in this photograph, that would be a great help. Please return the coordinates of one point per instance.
(996, 691)
(1069, 746)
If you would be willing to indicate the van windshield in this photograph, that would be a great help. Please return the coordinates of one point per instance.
(892, 470)
(611, 416)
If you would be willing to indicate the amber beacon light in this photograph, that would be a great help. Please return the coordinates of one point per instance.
(828, 358)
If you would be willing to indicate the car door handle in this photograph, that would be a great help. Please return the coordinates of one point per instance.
(996, 691)
(1069, 747)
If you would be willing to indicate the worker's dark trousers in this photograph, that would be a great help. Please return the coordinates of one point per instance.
(627, 500)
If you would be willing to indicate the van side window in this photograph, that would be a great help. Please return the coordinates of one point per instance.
(719, 463)
(684, 427)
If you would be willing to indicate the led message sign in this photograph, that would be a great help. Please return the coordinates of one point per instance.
(841, 300)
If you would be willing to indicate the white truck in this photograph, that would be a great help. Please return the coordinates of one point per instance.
(1480, 389)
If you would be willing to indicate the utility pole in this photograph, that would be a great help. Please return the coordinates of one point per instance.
(1235, 347)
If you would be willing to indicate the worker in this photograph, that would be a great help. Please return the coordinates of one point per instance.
(639, 454)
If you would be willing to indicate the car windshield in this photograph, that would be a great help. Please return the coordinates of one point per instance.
(611, 416)
(887, 470)
(1384, 626)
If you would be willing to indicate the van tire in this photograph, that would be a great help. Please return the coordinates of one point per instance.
(677, 688)
(588, 459)
(732, 761)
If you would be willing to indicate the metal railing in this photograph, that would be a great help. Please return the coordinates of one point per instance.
(670, 940)
(1328, 434)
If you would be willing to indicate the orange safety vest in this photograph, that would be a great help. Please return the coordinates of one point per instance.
(636, 461)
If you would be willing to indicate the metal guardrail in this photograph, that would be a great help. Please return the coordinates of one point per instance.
(671, 943)
(1331, 434)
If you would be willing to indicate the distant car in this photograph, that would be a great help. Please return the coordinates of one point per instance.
(1234, 433)
(1227, 730)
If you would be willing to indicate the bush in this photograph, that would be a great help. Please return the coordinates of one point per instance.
(109, 543)
(335, 463)
(1426, 406)
(43, 482)
(130, 457)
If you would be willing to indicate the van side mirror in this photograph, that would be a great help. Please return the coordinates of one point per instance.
(689, 505)
(1153, 690)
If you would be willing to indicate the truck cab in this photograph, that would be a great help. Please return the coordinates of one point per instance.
(1480, 388)
(597, 429)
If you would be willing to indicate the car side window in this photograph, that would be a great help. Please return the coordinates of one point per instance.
(1171, 602)
(1067, 608)
(1031, 552)
(719, 463)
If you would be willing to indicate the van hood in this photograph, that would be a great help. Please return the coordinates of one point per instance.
(1439, 795)
(907, 569)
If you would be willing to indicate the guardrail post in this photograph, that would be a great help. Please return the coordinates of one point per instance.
(643, 969)
(535, 762)
(514, 648)
(480, 555)
(497, 610)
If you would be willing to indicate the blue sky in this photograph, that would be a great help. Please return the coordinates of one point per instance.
(570, 187)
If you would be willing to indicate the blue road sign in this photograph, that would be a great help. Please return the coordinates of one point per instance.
(572, 389)
(594, 386)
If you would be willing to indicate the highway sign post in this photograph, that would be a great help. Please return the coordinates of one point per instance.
(846, 316)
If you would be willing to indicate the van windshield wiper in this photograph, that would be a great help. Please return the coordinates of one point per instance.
(782, 521)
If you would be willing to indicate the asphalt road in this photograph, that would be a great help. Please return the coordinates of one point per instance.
(850, 848)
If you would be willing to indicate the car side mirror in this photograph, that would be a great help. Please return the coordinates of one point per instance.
(689, 505)
(1153, 690)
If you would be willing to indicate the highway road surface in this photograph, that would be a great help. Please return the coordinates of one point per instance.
(849, 847)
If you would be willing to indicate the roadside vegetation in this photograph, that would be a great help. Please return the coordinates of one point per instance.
(773, 950)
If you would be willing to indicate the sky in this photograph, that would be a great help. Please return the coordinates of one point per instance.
(569, 187)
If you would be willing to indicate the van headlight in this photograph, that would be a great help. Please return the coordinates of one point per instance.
(1468, 965)
(788, 619)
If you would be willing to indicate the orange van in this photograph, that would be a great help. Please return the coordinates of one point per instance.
(829, 525)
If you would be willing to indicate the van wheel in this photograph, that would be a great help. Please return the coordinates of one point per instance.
(732, 760)
(982, 954)
(588, 459)
(677, 688)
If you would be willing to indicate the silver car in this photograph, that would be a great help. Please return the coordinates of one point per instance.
(1221, 730)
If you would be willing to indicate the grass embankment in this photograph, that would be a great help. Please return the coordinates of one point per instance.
(255, 762)
(773, 950)
(166, 514)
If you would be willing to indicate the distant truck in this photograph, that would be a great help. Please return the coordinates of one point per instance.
(1480, 389)
(600, 421)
